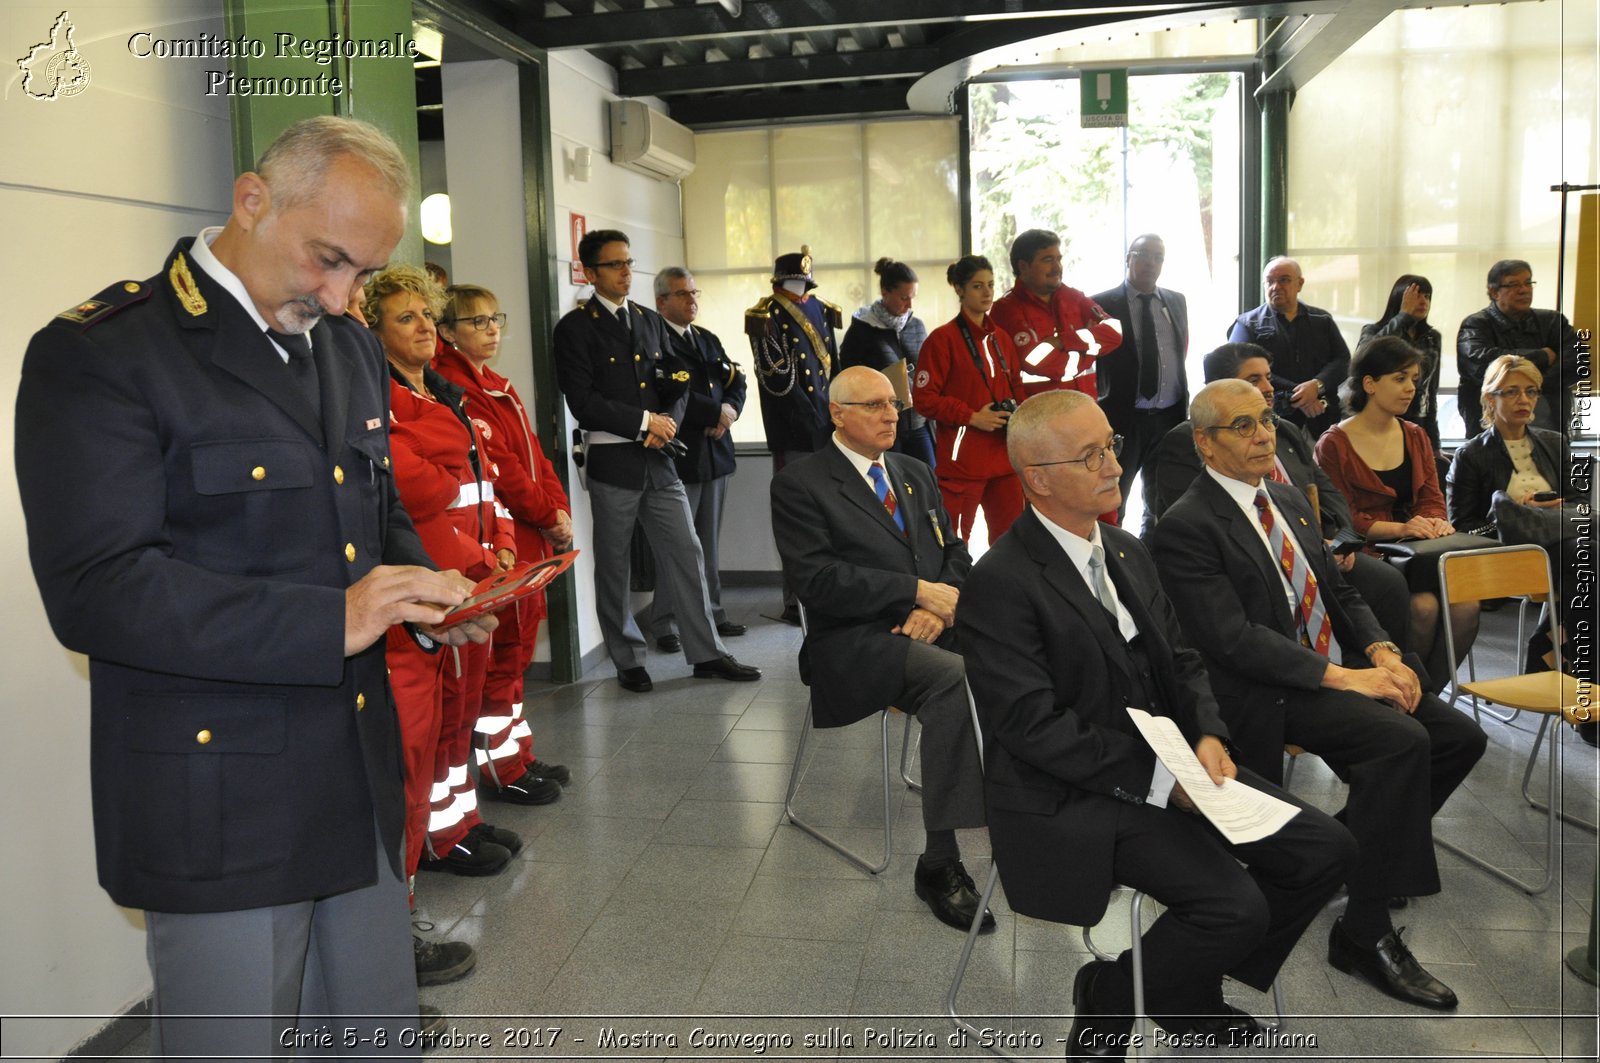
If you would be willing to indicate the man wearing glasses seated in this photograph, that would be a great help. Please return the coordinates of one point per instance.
(1510, 325)
(1064, 626)
(1242, 558)
(874, 558)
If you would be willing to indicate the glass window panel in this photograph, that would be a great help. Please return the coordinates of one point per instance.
(816, 173)
(731, 184)
(913, 173)
(1468, 115)
(723, 301)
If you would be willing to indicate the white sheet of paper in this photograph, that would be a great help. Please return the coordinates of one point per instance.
(1241, 813)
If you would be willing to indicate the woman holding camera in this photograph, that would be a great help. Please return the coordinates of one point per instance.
(968, 381)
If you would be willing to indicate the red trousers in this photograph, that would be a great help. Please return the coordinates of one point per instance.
(454, 799)
(1000, 496)
(419, 698)
(502, 739)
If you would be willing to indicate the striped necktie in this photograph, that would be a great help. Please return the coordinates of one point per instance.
(886, 496)
(1312, 616)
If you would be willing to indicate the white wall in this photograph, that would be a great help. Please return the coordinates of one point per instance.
(648, 210)
(94, 189)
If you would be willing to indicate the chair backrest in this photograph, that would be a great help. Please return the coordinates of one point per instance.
(1496, 572)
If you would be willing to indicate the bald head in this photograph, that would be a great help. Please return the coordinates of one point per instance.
(854, 383)
(1283, 280)
(1029, 434)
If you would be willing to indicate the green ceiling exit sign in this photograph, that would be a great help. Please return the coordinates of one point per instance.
(1104, 98)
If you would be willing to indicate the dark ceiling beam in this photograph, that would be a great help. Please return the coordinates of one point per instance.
(793, 16)
(783, 70)
(707, 111)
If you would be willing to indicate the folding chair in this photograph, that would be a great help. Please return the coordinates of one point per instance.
(798, 772)
(1136, 946)
(1509, 572)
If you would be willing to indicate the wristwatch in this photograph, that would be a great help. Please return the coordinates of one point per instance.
(1376, 646)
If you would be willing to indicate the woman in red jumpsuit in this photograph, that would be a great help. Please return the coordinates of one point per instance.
(527, 488)
(969, 379)
(445, 484)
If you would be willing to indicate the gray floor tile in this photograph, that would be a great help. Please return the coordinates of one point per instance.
(815, 909)
(781, 976)
(725, 824)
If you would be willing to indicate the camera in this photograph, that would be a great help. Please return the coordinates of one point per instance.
(1004, 406)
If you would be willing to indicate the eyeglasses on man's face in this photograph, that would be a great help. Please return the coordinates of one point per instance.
(684, 293)
(615, 263)
(1245, 425)
(481, 322)
(1516, 286)
(878, 405)
(1093, 461)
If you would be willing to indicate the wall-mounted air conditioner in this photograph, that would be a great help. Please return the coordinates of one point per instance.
(648, 142)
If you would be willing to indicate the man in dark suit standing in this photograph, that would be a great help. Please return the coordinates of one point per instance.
(1177, 464)
(204, 467)
(793, 347)
(1242, 557)
(716, 398)
(1144, 387)
(628, 391)
(875, 561)
(1064, 625)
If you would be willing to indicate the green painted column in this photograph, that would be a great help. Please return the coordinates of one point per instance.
(380, 90)
(1274, 174)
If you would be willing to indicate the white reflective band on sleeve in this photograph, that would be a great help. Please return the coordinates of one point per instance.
(501, 511)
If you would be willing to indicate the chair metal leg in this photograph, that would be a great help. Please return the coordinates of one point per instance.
(798, 771)
(906, 746)
(1552, 843)
(1141, 1024)
(951, 998)
(1545, 726)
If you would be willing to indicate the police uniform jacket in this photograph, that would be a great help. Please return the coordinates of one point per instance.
(714, 379)
(193, 526)
(794, 351)
(610, 375)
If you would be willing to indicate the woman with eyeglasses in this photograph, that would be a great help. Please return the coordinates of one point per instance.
(969, 380)
(446, 483)
(1516, 476)
(526, 485)
(1406, 316)
(1384, 466)
(888, 337)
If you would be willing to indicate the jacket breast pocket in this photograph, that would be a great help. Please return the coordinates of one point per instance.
(374, 473)
(248, 512)
(201, 770)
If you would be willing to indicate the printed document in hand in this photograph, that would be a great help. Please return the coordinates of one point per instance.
(1242, 813)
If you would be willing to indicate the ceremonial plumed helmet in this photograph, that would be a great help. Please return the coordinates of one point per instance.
(794, 267)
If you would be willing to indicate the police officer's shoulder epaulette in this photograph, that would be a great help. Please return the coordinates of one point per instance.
(833, 312)
(118, 296)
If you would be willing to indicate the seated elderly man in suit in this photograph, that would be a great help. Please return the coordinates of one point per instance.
(1064, 625)
(1177, 464)
(875, 560)
(1243, 560)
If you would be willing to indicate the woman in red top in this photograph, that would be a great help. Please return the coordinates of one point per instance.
(1385, 466)
(445, 484)
(969, 379)
(527, 487)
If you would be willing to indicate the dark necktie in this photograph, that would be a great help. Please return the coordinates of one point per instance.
(622, 317)
(302, 367)
(1149, 349)
(1312, 616)
(886, 496)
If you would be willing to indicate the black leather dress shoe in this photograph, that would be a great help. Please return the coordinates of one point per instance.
(951, 894)
(730, 629)
(1228, 1026)
(726, 668)
(1095, 1035)
(636, 680)
(1397, 903)
(1390, 967)
(669, 644)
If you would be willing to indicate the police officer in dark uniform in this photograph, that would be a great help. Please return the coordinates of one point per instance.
(204, 467)
(792, 341)
(628, 391)
(716, 398)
